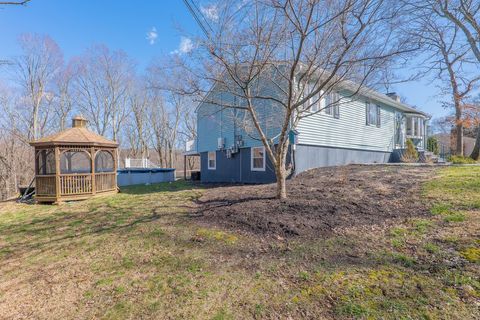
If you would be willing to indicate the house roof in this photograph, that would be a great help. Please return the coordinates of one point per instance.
(77, 135)
(363, 91)
(383, 98)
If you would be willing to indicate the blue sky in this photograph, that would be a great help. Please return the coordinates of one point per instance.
(76, 25)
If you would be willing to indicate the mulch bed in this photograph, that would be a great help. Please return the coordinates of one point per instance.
(320, 202)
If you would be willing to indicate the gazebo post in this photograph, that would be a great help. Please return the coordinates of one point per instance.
(92, 156)
(115, 164)
(57, 175)
(185, 167)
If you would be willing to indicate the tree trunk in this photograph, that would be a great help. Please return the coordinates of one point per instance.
(160, 157)
(281, 181)
(476, 149)
(459, 130)
(280, 169)
(459, 139)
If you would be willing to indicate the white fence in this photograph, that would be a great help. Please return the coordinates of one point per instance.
(139, 163)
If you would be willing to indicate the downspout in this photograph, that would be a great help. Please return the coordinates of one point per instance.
(235, 135)
(240, 152)
(293, 145)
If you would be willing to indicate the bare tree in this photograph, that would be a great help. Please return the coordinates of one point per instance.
(158, 118)
(15, 154)
(176, 117)
(14, 3)
(34, 70)
(138, 134)
(465, 14)
(449, 58)
(102, 84)
(63, 95)
(306, 51)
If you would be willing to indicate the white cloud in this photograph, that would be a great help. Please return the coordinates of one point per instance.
(185, 46)
(210, 12)
(152, 35)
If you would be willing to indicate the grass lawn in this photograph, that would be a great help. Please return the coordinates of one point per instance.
(141, 254)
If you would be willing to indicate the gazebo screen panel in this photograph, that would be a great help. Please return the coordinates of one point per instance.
(104, 161)
(45, 162)
(77, 161)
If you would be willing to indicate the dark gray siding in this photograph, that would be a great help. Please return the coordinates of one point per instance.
(309, 157)
(236, 169)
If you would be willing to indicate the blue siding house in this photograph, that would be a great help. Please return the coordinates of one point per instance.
(369, 128)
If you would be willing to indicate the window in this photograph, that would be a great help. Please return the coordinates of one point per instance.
(373, 114)
(415, 127)
(212, 160)
(333, 104)
(329, 104)
(314, 101)
(258, 159)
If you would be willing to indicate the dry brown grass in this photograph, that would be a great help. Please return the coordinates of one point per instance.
(140, 254)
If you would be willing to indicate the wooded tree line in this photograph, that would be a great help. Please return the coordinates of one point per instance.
(45, 91)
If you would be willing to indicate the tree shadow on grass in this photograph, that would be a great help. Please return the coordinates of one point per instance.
(68, 224)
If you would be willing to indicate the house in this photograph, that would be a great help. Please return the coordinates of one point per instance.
(370, 127)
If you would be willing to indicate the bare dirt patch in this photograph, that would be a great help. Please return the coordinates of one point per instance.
(321, 202)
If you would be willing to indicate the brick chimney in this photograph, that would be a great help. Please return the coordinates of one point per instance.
(394, 96)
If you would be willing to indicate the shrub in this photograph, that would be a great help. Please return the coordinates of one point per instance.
(461, 160)
(432, 145)
(410, 154)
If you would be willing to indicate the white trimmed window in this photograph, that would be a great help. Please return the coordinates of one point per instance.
(258, 159)
(333, 104)
(212, 160)
(373, 114)
(314, 101)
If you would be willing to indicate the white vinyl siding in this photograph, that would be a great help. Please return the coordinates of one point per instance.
(349, 131)
(215, 122)
(258, 159)
(212, 160)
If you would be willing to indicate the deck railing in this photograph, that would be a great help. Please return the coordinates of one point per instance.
(45, 185)
(105, 181)
(75, 183)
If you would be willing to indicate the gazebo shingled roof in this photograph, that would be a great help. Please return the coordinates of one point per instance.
(77, 135)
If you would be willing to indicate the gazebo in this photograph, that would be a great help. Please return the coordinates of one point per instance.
(74, 164)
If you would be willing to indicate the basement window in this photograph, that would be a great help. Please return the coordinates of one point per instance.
(258, 159)
(212, 160)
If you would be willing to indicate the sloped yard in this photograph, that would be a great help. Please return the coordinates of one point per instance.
(322, 202)
(356, 242)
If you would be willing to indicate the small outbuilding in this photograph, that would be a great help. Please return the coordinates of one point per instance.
(74, 164)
